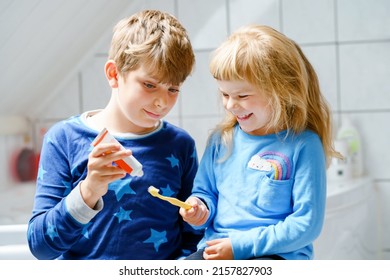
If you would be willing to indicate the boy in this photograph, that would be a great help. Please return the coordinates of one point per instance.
(86, 207)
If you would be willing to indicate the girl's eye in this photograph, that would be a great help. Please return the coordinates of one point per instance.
(242, 96)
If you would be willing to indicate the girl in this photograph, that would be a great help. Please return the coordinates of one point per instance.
(260, 189)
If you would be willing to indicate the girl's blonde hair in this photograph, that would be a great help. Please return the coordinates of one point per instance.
(277, 66)
(156, 40)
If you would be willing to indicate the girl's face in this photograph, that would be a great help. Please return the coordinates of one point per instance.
(143, 101)
(247, 104)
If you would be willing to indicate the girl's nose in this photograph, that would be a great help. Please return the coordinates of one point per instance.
(231, 103)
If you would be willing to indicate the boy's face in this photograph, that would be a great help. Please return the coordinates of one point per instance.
(143, 101)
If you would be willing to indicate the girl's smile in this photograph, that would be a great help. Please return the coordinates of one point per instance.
(243, 117)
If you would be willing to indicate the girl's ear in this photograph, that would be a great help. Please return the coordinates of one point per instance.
(111, 74)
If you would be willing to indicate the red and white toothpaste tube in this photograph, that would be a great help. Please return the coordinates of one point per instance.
(129, 164)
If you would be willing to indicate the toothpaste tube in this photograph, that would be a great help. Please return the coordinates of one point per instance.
(129, 164)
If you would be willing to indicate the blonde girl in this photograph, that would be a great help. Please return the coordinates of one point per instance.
(260, 189)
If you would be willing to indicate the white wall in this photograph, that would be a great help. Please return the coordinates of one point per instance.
(348, 42)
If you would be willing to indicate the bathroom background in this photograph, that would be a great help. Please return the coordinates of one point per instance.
(52, 54)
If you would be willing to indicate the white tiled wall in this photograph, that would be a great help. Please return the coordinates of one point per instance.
(364, 72)
(243, 12)
(205, 21)
(347, 41)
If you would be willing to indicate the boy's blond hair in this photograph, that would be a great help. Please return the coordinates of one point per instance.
(276, 66)
(157, 41)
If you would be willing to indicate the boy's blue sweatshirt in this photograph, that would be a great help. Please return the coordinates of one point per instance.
(127, 223)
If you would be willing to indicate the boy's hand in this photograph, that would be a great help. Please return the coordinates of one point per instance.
(101, 171)
(198, 214)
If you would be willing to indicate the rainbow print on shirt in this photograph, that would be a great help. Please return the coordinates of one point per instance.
(274, 162)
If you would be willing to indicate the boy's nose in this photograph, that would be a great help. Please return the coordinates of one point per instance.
(160, 101)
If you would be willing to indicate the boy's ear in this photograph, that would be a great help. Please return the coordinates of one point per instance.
(111, 73)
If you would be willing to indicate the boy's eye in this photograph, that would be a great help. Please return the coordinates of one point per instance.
(174, 90)
(148, 85)
(242, 96)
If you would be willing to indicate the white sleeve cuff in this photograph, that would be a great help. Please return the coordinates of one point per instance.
(78, 209)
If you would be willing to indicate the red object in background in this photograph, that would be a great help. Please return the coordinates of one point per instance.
(24, 165)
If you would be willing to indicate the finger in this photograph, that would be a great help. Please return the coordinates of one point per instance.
(200, 215)
(204, 214)
(189, 215)
(114, 177)
(105, 148)
(210, 250)
(111, 170)
(213, 242)
(209, 255)
(192, 201)
(98, 168)
(100, 177)
(115, 156)
(187, 212)
(104, 159)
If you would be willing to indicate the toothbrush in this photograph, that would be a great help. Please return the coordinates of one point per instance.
(174, 201)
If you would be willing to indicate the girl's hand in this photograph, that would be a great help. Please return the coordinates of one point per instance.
(219, 249)
(198, 214)
(101, 171)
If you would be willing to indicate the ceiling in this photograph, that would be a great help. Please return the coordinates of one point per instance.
(42, 41)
